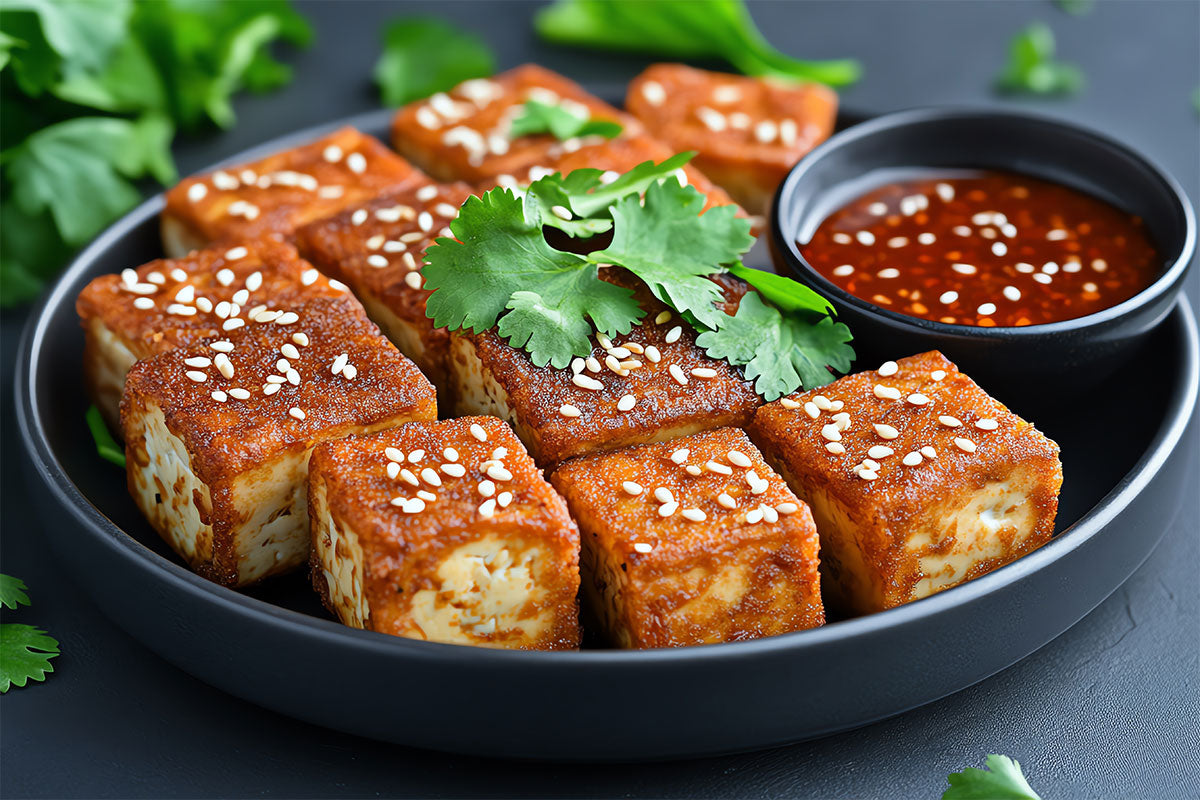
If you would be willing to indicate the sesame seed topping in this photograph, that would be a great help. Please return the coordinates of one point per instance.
(831, 433)
(865, 237)
(986, 309)
(754, 516)
(1090, 287)
(837, 448)
(428, 497)
(680, 455)
(431, 477)
(239, 394)
(999, 249)
(770, 515)
(880, 451)
(987, 424)
(413, 279)
(654, 93)
(568, 410)
(877, 209)
(886, 431)
(652, 354)
(693, 515)
(693, 470)
(886, 392)
(642, 547)
(673, 335)
(842, 238)
(842, 421)
(897, 241)
(964, 269)
(928, 452)
(562, 212)
(198, 377)
(1043, 279)
(726, 501)
(948, 297)
(843, 270)
(632, 488)
(938, 375)
(1099, 264)
(718, 467)
(966, 445)
(888, 369)
(757, 484)
(584, 382)
(486, 488)
(678, 375)
(912, 459)
(918, 399)
(296, 412)
(739, 459)
(626, 403)
(357, 163)
(949, 421)
(868, 474)
(667, 509)
(503, 499)
(787, 508)
(270, 389)
(224, 366)
(377, 261)
(394, 454)
(1012, 293)
(498, 473)
(143, 303)
(478, 432)
(592, 364)
(704, 372)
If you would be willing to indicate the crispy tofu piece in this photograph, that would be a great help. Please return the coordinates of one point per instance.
(172, 303)
(465, 134)
(444, 531)
(217, 437)
(918, 480)
(378, 249)
(748, 132)
(277, 194)
(668, 387)
(692, 541)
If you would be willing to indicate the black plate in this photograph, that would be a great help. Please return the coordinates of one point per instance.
(277, 648)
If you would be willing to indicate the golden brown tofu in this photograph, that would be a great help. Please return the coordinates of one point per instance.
(281, 192)
(217, 437)
(748, 132)
(465, 134)
(171, 303)
(651, 385)
(444, 531)
(918, 480)
(378, 249)
(692, 541)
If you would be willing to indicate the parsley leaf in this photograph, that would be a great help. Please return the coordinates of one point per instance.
(780, 353)
(106, 445)
(12, 592)
(538, 117)
(422, 56)
(695, 29)
(499, 261)
(25, 654)
(1005, 781)
(665, 241)
(1031, 66)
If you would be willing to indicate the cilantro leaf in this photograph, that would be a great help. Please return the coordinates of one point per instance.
(587, 201)
(1031, 66)
(694, 29)
(667, 243)
(83, 32)
(422, 56)
(1005, 781)
(538, 117)
(553, 193)
(499, 261)
(106, 445)
(12, 592)
(787, 294)
(25, 654)
(780, 354)
(31, 251)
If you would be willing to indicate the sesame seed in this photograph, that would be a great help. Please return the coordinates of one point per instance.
(293, 377)
(693, 515)
(868, 474)
(880, 451)
(1072, 264)
(626, 403)
(408, 476)
(886, 392)
(296, 412)
(678, 375)
(1090, 287)
(986, 309)
(928, 452)
(843, 270)
(842, 421)
(949, 421)
(654, 93)
(611, 362)
(186, 295)
(358, 217)
(918, 399)
(890, 272)
(224, 181)
(220, 396)
(1043, 279)
(181, 310)
(425, 221)
(739, 459)
(428, 497)
(377, 261)
(339, 363)
(888, 368)
(499, 473)
(754, 516)
(999, 249)
(680, 456)
(413, 280)
(584, 382)
(718, 467)
(693, 470)
(667, 509)
(332, 154)
(987, 424)
(837, 448)
(886, 431)
(961, 230)
(652, 354)
(503, 499)
(966, 445)
(198, 377)
(1056, 235)
(945, 191)
(1050, 268)
(357, 163)
(642, 547)
(233, 254)
(486, 488)
(897, 241)
(394, 246)
(1012, 293)
(725, 501)
(822, 402)
(224, 366)
(964, 269)
(232, 324)
(938, 375)
(632, 488)
(877, 209)
(713, 120)
(948, 297)
(196, 192)
(562, 212)
(240, 298)
(831, 433)
(453, 470)
(787, 508)
(415, 456)
(270, 389)
(865, 237)
(478, 432)
(431, 477)
(766, 131)
(673, 335)
(770, 515)
(143, 303)
(926, 238)
(704, 372)
(1099, 264)
(592, 364)
(842, 238)
(394, 454)
(568, 410)
(911, 459)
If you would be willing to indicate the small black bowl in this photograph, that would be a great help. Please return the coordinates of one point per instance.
(1035, 364)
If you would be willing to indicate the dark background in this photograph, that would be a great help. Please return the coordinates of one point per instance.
(1110, 709)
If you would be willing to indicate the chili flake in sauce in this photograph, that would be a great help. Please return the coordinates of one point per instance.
(992, 249)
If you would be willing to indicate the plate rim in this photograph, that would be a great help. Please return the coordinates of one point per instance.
(94, 523)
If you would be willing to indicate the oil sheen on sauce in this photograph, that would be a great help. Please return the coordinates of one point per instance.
(990, 249)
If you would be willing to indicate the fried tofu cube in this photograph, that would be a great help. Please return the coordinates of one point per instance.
(172, 303)
(378, 249)
(748, 132)
(917, 478)
(447, 532)
(217, 437)
(465, 134)
(651, 385)
(277, 194)
(692, 541)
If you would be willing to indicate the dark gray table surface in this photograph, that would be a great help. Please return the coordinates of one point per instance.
(1110, 709)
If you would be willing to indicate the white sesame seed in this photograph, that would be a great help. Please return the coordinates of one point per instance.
(428, 497)
(788, 402)
(999, 249)
(911, 459)
(693, 470)
(486, 488)
(394, 246)
(394, 454)
(888, 368)
(503, 499)
(478, 432)
(966, 445)
(886, 431)
(568, 410)
(886, 392)
(1050, 268)
(409, 477)
(832, 433)
(584, 382)
(196, 192)
(680, 455)
(949, 421)
(1099, 264)
(880, 451)
(766, 131)
(220, 396)
(592, 364)
(415, 456)
(425, 221)
(296, 412)
(673, 335)
(948, 297)
(357, 163)
(332, 154)
(811, 409)
(1012, 293)
(718, 468)
(938, 375)
(739, 459)
(837, 448)
(704, 372)
(918, 399)
(186, 295)
(964, 269)
(1043, 279)
(293, 377)
(652, 354)
(842, 421)
(726, 501)
(865, 237)
(986, 309)
(224, 366)
(431, 477)
(498, 473)
(842, 238)
(987, 424)
(678, 375)
(945, 191)
(693, 515)
(757, 484)
(611, 362)
(1072, 264)
(632, 488)
(928, 452)
(377, 261)
(667, 509)
(453, 470)
(868, 474)
(626, 403)
(770, 515)
(232, 324)
(143, 303)
(270, 389)
(877, 209)
(413, 280)
(890, 272)
(1090, 287)
(157, 278)
(712, 119)
(654, 93)
(1056, 235)
(198, 377)
(897, 241)
(642, 547)
(414, 506)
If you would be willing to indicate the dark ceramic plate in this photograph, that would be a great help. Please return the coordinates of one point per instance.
(277, 648)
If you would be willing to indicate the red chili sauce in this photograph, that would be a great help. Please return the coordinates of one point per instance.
(992, 249)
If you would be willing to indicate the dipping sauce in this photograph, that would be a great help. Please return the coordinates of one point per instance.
(990, 249)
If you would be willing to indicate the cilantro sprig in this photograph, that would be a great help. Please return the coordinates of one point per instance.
(424, 55)
(1031, 67)
(500, 271)
(560, 122)
(1002, 780)
(25, 651)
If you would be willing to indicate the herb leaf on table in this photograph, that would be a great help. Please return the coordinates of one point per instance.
(423, 55)
(1002, 780)
(1031, 66)
(25, 651)
(12, 592)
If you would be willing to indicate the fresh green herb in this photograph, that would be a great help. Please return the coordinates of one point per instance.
(1076, 8)
(106, 445)
(538, 117)
(92, 92)
(422, 56)
(1031, 66)
(12, 592)
(783, 292)
(696, 29)
(25, 651)
(500, 271)
(1005, 781)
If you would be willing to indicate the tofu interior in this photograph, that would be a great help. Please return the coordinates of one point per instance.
(107, 360)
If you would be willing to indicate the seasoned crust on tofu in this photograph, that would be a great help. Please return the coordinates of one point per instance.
(218, 465)
(656, 578)
(748, 132)
(491, 377)
(277, 194)
(505, 575)
(980, 488)
(171, 303)
(463, 134)
(378, 249)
